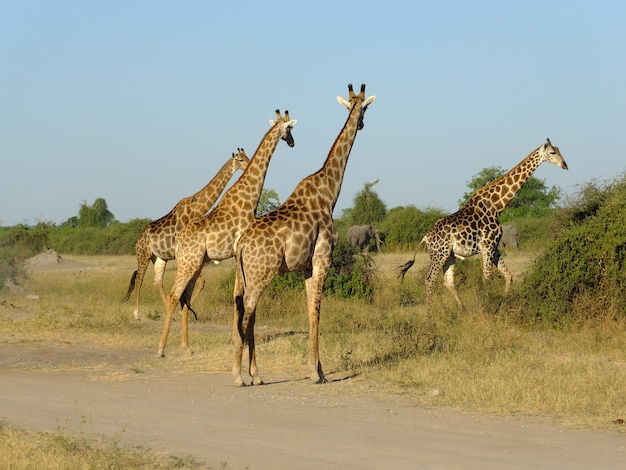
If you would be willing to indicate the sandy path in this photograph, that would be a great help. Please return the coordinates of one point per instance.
(292, 424)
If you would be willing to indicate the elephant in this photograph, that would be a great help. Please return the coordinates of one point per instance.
(510, 237)
(359, 236)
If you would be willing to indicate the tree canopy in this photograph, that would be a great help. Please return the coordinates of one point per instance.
(368, 206)
(267, 202)
(96, 215)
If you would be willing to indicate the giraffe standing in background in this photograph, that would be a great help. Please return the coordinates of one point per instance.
(475, 227)
(156, 241)
(213, 236)
(298, 236)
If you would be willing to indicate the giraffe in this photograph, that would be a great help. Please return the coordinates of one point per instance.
(475, 227)
(297, 236)
(156, 241)
(212, 237)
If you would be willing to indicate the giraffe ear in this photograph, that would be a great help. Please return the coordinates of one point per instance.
(343, 102)
(370, 100)
(272, 122)
(292, 122)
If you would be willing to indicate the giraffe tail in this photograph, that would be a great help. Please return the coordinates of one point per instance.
(185, 299)
(131, 286)
(402, 270)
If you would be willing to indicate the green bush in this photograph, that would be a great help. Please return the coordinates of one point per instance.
(581, 274)
(351, 274)
(115, 239)
(17, 244)
(404, 227)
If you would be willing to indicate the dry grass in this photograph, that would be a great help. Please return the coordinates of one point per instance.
(24, 449)
(479, 360)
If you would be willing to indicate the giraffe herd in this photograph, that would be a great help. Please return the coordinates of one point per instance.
(299, 236)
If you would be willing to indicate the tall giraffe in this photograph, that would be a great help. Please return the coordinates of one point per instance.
(475, 227)
(156, 241)
(298, 236)
(212, 237)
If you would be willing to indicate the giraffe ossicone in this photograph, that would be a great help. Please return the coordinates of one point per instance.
(156, 241)
(212, 237)
(475, 228)
(297, 236)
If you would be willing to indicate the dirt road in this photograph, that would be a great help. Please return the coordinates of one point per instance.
(290, 424)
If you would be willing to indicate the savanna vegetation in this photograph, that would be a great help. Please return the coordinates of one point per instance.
(555, 346)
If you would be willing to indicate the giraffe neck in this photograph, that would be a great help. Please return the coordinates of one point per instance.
(245, 193)
(499, 193)
(199, 204)
(330, 176)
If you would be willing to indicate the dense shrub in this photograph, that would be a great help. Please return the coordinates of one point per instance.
(115, 239)
(404, 227)
(581, 274)
(351, 275)
(17, 244)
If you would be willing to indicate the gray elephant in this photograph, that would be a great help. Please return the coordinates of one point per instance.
(359, 236)
(510, 237)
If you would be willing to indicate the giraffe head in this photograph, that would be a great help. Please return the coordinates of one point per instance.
(357, 100)
(240, 160)
(551, 154)
(286, 125)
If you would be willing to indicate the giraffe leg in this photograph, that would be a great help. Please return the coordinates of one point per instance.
(243, 328)
(252, 368)
(200, 283)
(238, 336)
(185, 302)
(143, 260)
(314, 284)
(183, 277)
(159, 272)
(172, 302)
(437, 262)
(448, 279)
(508, 277)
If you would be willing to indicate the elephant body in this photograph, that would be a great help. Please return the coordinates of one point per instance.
(359, 236)
(510, 237)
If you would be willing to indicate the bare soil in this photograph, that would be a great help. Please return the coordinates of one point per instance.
(287, 423)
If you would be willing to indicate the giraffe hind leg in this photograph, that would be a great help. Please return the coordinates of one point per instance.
(448, 280)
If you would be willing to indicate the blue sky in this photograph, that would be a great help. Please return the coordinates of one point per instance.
(141, 102)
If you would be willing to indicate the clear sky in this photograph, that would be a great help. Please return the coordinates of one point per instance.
(141, 102)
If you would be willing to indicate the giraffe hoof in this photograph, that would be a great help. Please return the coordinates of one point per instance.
(161, 353)
(257, 381)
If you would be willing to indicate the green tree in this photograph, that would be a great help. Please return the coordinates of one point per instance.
(534, 197)
(404, 227)
(368, 207)
(96, 215)
(267, 202)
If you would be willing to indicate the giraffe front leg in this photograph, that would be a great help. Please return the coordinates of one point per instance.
(314, 297)
(508, 277)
